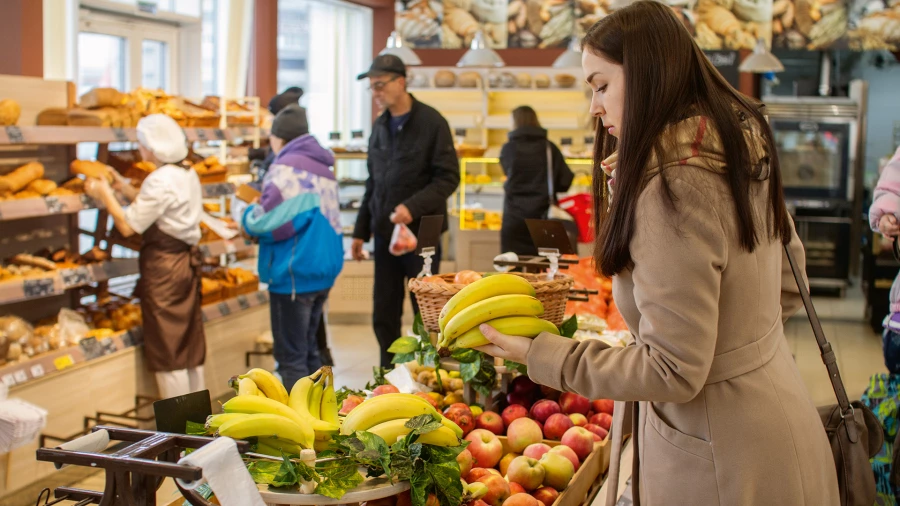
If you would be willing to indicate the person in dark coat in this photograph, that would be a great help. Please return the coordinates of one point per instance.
(527, 193)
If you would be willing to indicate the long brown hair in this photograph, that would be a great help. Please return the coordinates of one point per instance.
(667, 79)
(525, 116)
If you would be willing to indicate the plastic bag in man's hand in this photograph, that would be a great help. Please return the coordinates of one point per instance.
(402, 240)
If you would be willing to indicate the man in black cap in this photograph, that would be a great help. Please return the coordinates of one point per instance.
(413, 170)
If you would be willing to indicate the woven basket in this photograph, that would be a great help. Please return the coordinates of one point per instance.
(432, 296)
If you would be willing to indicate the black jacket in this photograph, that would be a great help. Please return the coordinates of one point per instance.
(524, 161)
(421, 171)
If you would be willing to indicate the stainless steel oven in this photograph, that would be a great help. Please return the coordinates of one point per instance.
(814, 157)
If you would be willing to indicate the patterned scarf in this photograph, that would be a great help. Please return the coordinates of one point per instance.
(697, 143)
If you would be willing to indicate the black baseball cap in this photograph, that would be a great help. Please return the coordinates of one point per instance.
(385, 64)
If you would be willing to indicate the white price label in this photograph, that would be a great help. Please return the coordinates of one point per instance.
(37, 371)
(8, 380)
(21, 376)
(230, 248)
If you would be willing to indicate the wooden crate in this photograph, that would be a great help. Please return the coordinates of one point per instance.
(587, 479)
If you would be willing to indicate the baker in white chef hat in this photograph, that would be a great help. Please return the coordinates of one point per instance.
(166, 211)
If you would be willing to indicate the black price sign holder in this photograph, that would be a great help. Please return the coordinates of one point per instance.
(428, 238)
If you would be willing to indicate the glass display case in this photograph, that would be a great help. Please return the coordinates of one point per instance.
(814, 157)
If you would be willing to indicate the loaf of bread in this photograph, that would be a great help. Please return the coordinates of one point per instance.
(75, 185)
(444, 79)
(34, 261)
(542, 81)
(83, 117)
(26, 194)
(565, 80)
(469, 80)
(10, 110)
(90, 168)
(21, 177)
(523, 79)
(61, 192)
(53, 116)
(102, 97)
(41, 186)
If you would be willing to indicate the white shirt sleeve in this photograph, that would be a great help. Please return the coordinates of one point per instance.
(153, 200)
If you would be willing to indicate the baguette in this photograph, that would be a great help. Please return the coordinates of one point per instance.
(33, 261)
(26, 194)
(21, 177)
(90, 168)
(42, 186)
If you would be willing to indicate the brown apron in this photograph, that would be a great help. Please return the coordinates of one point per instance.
(170, 302)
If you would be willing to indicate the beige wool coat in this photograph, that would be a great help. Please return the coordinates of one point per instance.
(722, 414)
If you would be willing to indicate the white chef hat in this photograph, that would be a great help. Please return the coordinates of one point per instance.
(163, 137)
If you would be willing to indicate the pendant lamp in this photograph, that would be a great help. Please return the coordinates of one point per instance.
(398, 48)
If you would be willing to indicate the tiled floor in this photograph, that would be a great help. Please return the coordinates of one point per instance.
(858, 350)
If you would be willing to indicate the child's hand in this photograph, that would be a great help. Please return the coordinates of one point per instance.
(888, 226)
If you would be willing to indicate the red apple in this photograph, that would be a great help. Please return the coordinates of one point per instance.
(513, 412)
(521, 500)
(536, 451)
(550, 393)
(542, 410)
(580, 440)
(557, 425)
(385, 389)
(456, 405)
(476, 473)
(429, 399)
(515, 488)
(598, 430)
(546, 495)
(490, 421)
(540, 426)
(466, 461)
(463, 418)
(498, 489)
(603, 406)
(477, 502)
(404, 499)
(432, 500)
(505, 462)
(558, 470)
(349, 403)
(485, 447)
(521, 433)
(578, 419)
(574, 403)
(602, 419)
(567, 452)
(519, 398)
(590, 414)
(527, 472)
(523, 384)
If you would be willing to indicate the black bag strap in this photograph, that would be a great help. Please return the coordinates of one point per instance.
(550, 188)
(828, 356)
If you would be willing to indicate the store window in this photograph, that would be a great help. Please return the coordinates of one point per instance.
(341, 36)
(209, 47)
(155, 63)
(101, 61)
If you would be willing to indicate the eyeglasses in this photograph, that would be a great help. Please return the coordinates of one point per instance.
(379, 85)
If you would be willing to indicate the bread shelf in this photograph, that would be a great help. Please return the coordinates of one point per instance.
(29, 208)
(229, 307)
(58, 281)
(224, 247)
(13, 135)
(216, 190)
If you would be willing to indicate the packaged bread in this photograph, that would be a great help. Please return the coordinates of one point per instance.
(53, 116)
(21, 177)
(90, 168)
(41, 186)
(468, 80)
(10, 110)
(444, 79)
(101, 97)
(565, 80)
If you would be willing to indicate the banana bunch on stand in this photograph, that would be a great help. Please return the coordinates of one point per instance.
(504, 301)
(263, 409)
(387, 415)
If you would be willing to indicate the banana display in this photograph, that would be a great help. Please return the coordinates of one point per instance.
(503, 301)
(263, 409)
(386, 415)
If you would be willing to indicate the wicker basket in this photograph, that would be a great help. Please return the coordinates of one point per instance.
(432, 296)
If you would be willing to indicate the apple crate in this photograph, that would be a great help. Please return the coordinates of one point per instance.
(587, 480)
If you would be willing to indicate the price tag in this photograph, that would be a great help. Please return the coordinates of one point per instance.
(261, 298)
(204, 250)
(54, 206)
(15, 135)
(217, 190)
(20, 376)
(40, 287)
(230, 247)
(91, 348)
(37, 371)
(201, 134)
(8, 380)
(108, 346)
(86, 201)
(220, 134)
(120, 135)
(224, 310)
(63, 362)
(244, 132)
(565, 141)
(79, 276)
(243, 302)
(478, 216)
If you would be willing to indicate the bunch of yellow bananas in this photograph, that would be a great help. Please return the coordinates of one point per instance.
(306, 418)
(386, 415)
(503, 301)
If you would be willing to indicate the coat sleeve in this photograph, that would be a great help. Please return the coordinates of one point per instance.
(886, 199)
(507, 152)
(678, 259)
(790, 292)
(363, 228)
(444, 174)
(562, 174)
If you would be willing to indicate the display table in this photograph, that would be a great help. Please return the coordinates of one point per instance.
(372, 489)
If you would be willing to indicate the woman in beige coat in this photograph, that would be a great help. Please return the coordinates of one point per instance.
(691, 224)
